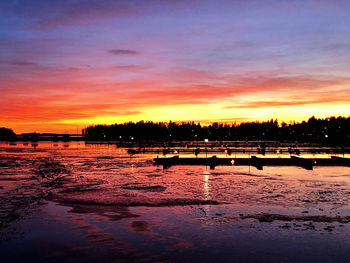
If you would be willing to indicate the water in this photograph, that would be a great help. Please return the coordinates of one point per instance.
(73, 202)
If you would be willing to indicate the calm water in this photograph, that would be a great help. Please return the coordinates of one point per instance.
(67, 202)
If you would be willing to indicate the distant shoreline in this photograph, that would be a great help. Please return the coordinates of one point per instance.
(262, 144)
(332, 131)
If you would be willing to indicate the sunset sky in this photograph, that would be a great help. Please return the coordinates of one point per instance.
(68, 64)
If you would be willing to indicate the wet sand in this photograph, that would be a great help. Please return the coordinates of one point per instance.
(94, 203)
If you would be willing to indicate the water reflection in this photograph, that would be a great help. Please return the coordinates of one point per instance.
(108, 200)
(206, 188)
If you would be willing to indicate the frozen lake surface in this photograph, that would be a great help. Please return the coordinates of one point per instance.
(71, 202)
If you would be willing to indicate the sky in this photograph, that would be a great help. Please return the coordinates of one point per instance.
(65, 65)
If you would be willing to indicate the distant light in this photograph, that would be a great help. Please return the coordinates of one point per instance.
(326, 136)
(120, 137)
(206, 140)
(131, 138)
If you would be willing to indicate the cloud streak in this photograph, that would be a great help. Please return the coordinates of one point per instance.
(17, 63)
(123, 52)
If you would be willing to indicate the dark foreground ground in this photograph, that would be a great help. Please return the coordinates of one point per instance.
(63, 202)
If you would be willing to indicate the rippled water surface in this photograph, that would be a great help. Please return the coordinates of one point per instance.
(71, 202)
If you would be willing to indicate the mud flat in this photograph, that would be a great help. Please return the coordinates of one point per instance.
(264, 217)
(138, 186)
(129, 202)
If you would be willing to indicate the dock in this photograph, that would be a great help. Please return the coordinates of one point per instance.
(229, 151)
(258, 162)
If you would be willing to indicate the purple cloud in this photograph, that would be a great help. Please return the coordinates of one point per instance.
(123, 52)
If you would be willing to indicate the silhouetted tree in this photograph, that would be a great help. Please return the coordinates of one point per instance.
(332, 131)
(7, 134)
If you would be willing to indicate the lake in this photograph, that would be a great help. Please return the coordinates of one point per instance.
(71, 202)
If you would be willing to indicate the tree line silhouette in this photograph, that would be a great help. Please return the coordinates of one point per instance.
(332, 130)
(6, 133)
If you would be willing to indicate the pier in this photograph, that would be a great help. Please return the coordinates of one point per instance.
(258, 162)
(253, 150)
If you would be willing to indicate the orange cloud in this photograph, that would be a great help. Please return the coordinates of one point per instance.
(43, 103)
